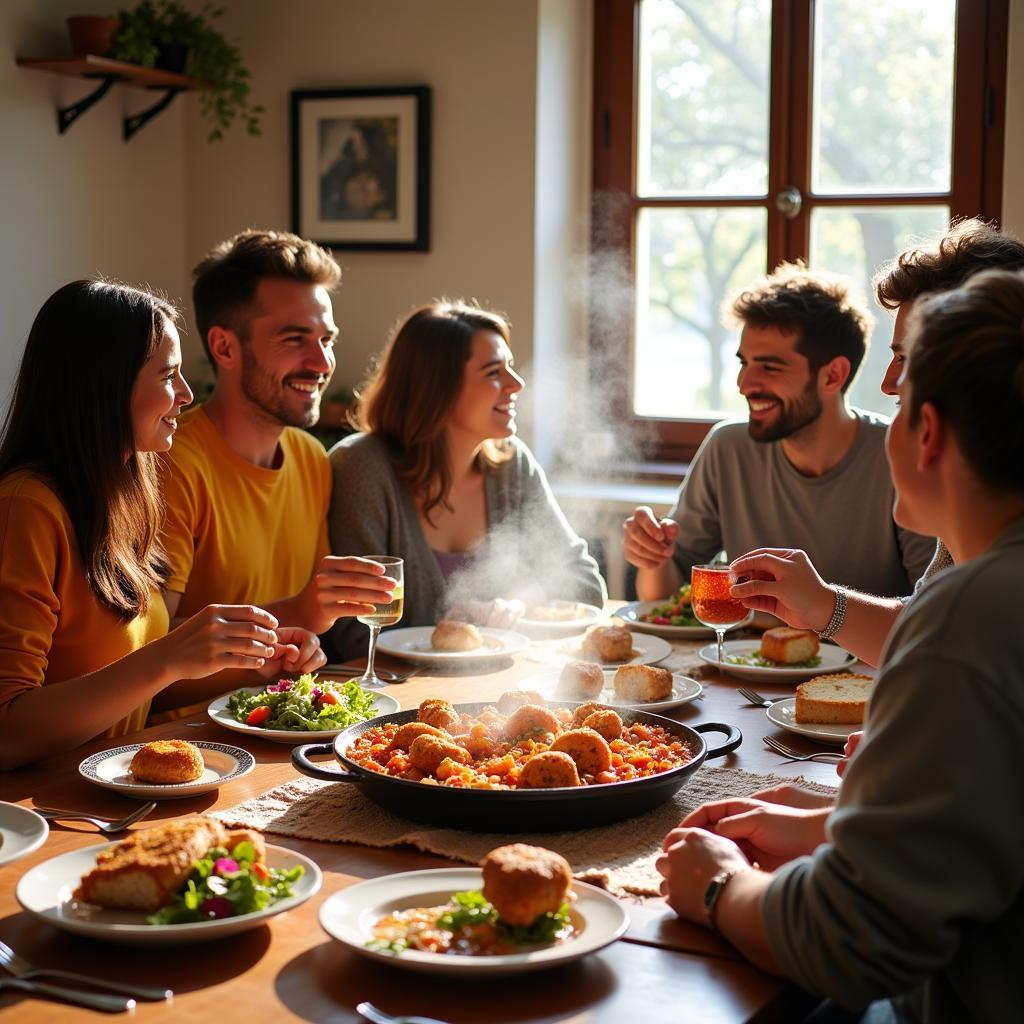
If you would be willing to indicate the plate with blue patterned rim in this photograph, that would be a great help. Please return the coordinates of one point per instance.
(221, 763)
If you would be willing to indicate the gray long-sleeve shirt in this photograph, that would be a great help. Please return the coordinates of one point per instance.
(528, 538)
(741, 494)
(920, 891)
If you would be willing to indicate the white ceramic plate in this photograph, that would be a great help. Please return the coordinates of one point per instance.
(349, 915)
(545, 629)
(21, 832)
(684, 689)
(647, 650)
(783, 714)
(383, 704)
(631, 613)
(109, 768)
(46, 891)
(833, 659)
(413, 644)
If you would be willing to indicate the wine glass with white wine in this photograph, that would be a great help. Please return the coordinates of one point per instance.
(385, 615)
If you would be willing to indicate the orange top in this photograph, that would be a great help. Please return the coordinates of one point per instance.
(52, 626)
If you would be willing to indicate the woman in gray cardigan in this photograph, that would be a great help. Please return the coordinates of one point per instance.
(438, 478)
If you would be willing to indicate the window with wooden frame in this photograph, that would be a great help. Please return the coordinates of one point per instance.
(734, 134)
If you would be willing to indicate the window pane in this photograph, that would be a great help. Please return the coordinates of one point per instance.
(688, 261)
(883, 96)
(857, 241)
(703, 98)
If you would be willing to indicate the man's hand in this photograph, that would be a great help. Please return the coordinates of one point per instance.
(648, 542)
(343, 587)
(782, 582)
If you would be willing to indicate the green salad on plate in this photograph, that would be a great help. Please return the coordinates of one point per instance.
(307, 704)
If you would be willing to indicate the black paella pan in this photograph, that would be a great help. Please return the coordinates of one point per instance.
(520, 810)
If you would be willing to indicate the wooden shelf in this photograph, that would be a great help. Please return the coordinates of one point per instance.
(109, 72)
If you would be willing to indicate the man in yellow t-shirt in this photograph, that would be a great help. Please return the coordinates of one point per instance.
(247, 490)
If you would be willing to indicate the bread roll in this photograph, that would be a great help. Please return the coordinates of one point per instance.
(608, 643)
(450, 635)
(580, 680)
(642, 684)
(167, 762)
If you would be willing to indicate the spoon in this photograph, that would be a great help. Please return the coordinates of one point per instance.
(370, 1012)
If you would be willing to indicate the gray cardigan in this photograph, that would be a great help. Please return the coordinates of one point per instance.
(919, 892)
(529, 540)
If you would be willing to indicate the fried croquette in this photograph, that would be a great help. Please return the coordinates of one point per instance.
(608, 643)
(642, 684)
(427, 751)
(512, 700)
(408, 732)
(522, 882)
(530, 721)
(589, 749)
(605, 722)
(549, 770)
(167, 762)
(584, 711)
(438, 713)
(450, 635)
(580, 680)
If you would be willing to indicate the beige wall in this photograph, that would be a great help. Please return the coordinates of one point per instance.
(1013, 166)
(480, 57)
(84, 202)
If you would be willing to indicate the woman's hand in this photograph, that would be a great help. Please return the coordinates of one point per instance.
(296, 652)
(343, 587)
(218, 637)
(783, 582)
(648, 542)
(767, 834)
(498, 614)
(691, 859)
(852, 743)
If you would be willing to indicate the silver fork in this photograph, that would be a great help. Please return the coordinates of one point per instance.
(21, 968)
(94, 1000)
(370, 1012)
(794, 755)
(103, 824)
(753, 697)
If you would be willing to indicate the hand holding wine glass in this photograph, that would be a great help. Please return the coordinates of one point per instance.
(713, 604)
(385, 615)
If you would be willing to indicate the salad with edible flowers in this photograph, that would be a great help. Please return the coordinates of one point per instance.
(303, 705)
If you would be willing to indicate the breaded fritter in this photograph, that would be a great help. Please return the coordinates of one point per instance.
(522, 882)
(549, 770)
(531, 721)
(167, 762)
(512, 700)
(584, 711)
(438, 713)
(408, 732)
(427, 752)
(605, 722)
(589, 749)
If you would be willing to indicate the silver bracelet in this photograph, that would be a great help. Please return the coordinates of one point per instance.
(838, 616)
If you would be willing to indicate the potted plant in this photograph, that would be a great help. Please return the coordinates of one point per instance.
(164, 33)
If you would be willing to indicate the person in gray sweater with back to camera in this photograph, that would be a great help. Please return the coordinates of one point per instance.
(438, 478)
(912, 887)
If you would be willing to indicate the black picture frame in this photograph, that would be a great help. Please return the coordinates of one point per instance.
(360, 163)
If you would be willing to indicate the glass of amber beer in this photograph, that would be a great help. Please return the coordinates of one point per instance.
(711, 601)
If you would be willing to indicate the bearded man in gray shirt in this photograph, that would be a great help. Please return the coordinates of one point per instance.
(805, 470)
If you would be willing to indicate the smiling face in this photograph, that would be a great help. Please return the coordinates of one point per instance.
(486, 405)
(777, 382)
(159, 394)
(288, 351)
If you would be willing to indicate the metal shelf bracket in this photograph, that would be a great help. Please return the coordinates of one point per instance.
(136, 121)
(66, 116)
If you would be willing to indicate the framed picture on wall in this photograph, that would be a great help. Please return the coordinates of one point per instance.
(361, 167)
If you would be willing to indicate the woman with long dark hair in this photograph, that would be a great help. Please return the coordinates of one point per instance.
(911, 886)
(438, 477)
(82, 623)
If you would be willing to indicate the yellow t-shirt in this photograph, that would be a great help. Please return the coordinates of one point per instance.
(236, 533)
(52, 626)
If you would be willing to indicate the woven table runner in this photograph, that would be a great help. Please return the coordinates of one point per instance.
(619, 857)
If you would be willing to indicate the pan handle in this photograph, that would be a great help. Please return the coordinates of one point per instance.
(733, 738)
(300, 759)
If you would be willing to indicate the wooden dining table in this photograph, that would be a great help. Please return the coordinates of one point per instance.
(290, 970)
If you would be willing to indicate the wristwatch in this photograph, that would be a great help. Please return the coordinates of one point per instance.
(712, 893)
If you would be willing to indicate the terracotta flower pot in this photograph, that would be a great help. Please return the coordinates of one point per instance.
(91, 33)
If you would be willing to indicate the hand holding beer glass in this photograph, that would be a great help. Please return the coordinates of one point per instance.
(711, 601)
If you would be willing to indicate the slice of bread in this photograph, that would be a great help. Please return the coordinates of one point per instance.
(834, 700)
(789, 646)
